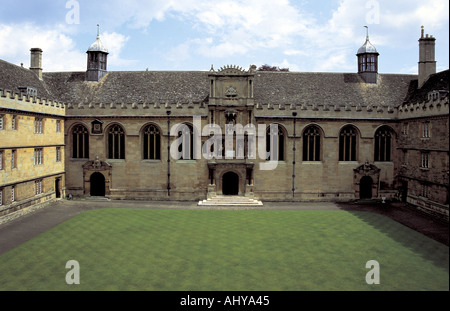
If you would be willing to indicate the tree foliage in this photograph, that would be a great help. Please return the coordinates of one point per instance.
(266, 67)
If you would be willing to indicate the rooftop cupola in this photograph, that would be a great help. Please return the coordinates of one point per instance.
(368, 61)
(96, 60)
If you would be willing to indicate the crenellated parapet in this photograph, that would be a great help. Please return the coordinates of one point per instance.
(30, 103)
(136, 109)
(436, 103)
(320, 110)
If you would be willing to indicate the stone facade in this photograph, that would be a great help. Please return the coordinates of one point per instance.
(32, 169)
(149, 135)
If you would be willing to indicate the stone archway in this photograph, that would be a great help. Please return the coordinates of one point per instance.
(365, 180)
(97, 178)
(230, 183)
(97, 182)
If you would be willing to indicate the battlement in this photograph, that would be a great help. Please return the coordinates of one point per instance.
(349, 110)
(141, 108)
(436, 104)
(21, 101)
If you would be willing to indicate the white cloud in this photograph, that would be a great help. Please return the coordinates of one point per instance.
(60, 52)
(16, 41)
(115, 42)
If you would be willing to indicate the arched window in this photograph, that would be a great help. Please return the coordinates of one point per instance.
(311, 144)
(80, 142)
(277, 137)
(383, 144)
(347, 144)
(152, 143)
(116, 142)
(186, 148)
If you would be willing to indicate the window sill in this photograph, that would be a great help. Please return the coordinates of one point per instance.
(186, 161)
(151, 161)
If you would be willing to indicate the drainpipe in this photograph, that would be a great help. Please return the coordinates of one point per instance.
(294, 114)
(168, 153)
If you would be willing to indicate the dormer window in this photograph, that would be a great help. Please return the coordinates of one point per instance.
(28, 90)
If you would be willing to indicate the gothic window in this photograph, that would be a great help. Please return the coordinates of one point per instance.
(311, 144)
(277, 138)
(1, 122)
(383, 142)
(80, 142)
(116, 142)
(152, 143)
(347, 144)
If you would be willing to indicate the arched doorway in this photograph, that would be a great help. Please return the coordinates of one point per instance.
(97, 181)
(365, 187)
(230, 183)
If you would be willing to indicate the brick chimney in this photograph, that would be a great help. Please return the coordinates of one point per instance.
(36, 61)
(427, 62)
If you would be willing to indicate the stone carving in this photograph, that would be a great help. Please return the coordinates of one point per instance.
(231, 92)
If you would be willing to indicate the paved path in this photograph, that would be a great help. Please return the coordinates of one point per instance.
(23, 228)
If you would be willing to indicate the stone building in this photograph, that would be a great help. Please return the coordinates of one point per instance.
(279, 136)
(31, 138)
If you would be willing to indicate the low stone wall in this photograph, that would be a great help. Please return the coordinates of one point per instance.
(436, 210)
(24, 207)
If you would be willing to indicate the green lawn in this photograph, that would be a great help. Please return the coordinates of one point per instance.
(158, 249)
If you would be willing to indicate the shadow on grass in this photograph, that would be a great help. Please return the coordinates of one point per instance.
(422, 224)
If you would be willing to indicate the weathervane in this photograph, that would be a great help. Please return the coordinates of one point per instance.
(367, 32)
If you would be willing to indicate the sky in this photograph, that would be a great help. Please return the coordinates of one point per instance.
(302, 35)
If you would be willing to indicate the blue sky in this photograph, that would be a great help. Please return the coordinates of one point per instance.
(302, 35)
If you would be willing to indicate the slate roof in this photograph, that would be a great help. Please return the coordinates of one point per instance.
(329, 88)
(193, 86)
(12, 77)
(131, 87)
(435, 82)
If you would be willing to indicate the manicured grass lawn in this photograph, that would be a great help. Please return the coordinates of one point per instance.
(143, 249)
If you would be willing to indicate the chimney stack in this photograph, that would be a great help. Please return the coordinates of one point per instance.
(427, 62)
(36, 61)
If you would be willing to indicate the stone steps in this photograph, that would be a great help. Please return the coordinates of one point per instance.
(229, 200)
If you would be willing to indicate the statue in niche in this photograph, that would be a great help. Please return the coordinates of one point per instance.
(97, 163)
